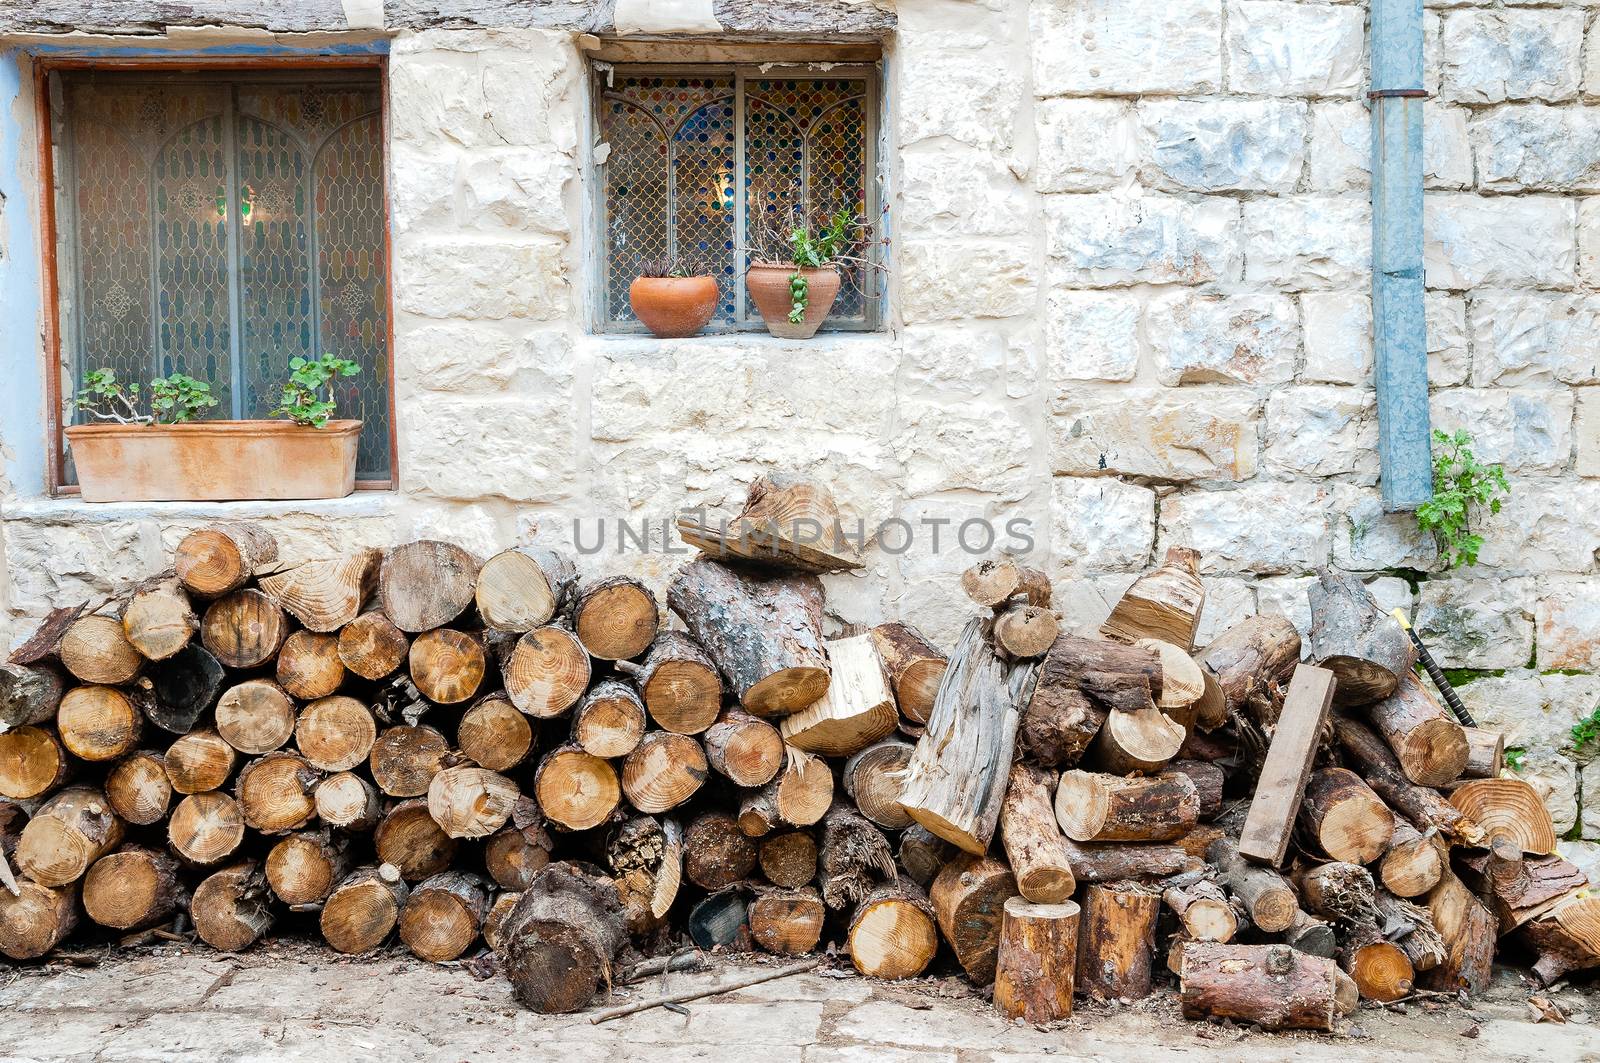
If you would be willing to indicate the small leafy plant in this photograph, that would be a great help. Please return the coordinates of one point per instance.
(303, 401)
(174, 399)
(1514, 755)
(1461, 487)
(840, 239)
(1586, 733)
(667, 266)
(178, 398)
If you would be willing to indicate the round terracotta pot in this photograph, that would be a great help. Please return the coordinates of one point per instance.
(768, 284)
(674, 307)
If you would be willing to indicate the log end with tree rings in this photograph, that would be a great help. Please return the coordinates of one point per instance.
(471, 802)
(1344, 818)
(308, 665)
(231, 908)
(1141, 741)
(663, 772)
(138, 788)
(304, 868)
(494, 735)
(745, 749)
(244, 630)
(547, 672)
(32, 763)
(443, 915)
(159, 621)
(447, 666)
(789, 860)
(609, 721)
(371, 647)
(787, 922)
(95, 649)
(1510, 807)
(409, 840)
(200, 761)
(275, 793)
(256, 716)
(214, 560)
(404, 760)
(679, 684)
(892, 933)
(131, 889)
(616, 619)
(915, 668)
(576, 790)
(512, 859)
(206, 828)
(35, 919)
(426, 584)
(347, 801)
(362, 910)
(522, 588)
(98, 723)
(338, 733)
(872, 781)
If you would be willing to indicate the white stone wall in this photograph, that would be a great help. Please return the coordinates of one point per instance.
(1130, 304)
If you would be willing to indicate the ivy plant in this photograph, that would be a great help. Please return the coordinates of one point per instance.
(1462, 487)
(308, 393)
(1586, 734)
(174, 399)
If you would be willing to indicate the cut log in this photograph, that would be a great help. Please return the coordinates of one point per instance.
(200, 761)
(789, 860)
(181, 688)
(914, 666)
(561, 939)
(1510, 807)
(138, 789)
(616, 618)
(244, 629)
(720, 921)
(447, 666)
(1486, 753)
(715, 853)
(678, 682)
(1339, 890)
(95, 650)
(206, 828)
(968, 896)
(361, 911)
(546, 672)
(499, 911)
(28, 695)
(1343, 819)
(1424, 807)
(787, 523)
(1164, 603)
(1429, 744)
(872, 780)
(33, 762)
(892, 933)
(231, 909)
(309, 666)
(1468, 929)
(275, 792)
(1411, 927)
(763, 632)
(1566, 938)
(348, 801)
(303, 868)
(1203, 910)
(1517, 888)
(325, 595)
(647, 863)
(1036, 964)
(1142, 741)
(443, 915)
(1380, 969)
(66, 835)
(158, 620)
(494, 735)
(1115, 861)
(512, 857)
(98, 723)
(338, 733)
(411, 841)
(579, 791)
(404, 760)
(1025, 630)
(1182, 682)
(132, 888)
(372, 647)
(1033, 843)
(854, 856)
(1117, 934)
(1271, 986)
(1247, 661)
(255, 717)
(857, 710)
(426, 584)
(1080, 681)
(922, 854)
(1108, 808)
(1313, 936)
(1198, 841)
(787, 922)
(1208, 779)
(524, 587)
(800, 796)
(1413, 862)
(35, 919)
(744, 749)
(663, 772)
(1267, 898)
(220, 559)
(994, 581)
(609, 721)
(1282, 784)
(1364, 647)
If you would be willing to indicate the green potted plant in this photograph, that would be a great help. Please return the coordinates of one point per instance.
(795, 269)
(168, 454)
(672, 301)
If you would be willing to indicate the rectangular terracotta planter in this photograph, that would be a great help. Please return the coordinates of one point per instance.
(214, 461)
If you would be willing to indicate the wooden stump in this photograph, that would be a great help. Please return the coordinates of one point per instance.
(1117, 941)
(914, 666)
(789, 860)
(1508, 807)
(1081, 681)
(1164, 604)
(447, 666)
(1247, 661)
(361, 911)
(216, 560)
(182, 688)
(853, 857)
(1342, 818)
(66, 835)
(347, 801)
(138, 789)
(200, 761)
(255, 717)
(95, 650)
(1486, 753)
(1036, 963)
(1429, 744)
(244, 630)
(524, 587)
(1032, 838)
(892, 933)
(409, 840)
(715, 853)
(28, 695)
(230, 909)
(1142, 741)
(206, 828)
(576, 790)
(327, 594)
(616, 618)
(1271, 986)
(98, 723)
(404, 760)
(745, 749)
(546, 672)
(371, 647)
(561, 939)
(1365, 648)
(1108, 808)
(800, 796)
(872, 780)
(663, 772)
(131, 889)
(968, 896)
(678, 683)
(426, 584)
(609, 720)
(303, 868)
(787, 922)
(32, 763)
(309, 666)
(275, 793)
(338, 733)
(158, 620)
(35, 919)
(494, 735)
(443, 915)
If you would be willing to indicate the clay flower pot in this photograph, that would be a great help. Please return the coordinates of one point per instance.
(768, 284)
(674, 307)
(214, 461)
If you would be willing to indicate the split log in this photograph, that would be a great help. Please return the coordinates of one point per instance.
(1424, 807)
(181, 688)
(255, 717)
(206, 828)
(98, 723)
(46, 637)
(230, 909)
(1380, 969)
(561, 939)
(1507, 807)
(872, 780)
(443, 914)
(968, 896)
(914, 666)
(309, 666)
(95, 650)
(1486, 753)
(138, 789)
(338, 733)
(35, 919)
(1164, 604)
(494, 735)
(28, 695)
(1247, 661)
(857, 710)
(447, 666)
(1117, 933)
(1468, 929)
(579, 791)
(892, 933)
(1115, 861)
(1339, 890)
(1109, 808)
(132, 888)
(1365, 648)
(33, 762)
(348, 801)
(362, 909)
(499, 911)
(199, 761)
(678, 682)
(609, 721)
(800, 796)
(1203, 910)
(647, 861)
(1267, 898)
(275, 792)
(1566, 938)
(1208, 779)
(1036, 963)
(244, 629)
(854, 856)
(1282, 784)
(715, 853)
(663, 772)
(1515, 887)
(720, 921)
(546, 672)
(404, 760)
(1080, 682)
(1182, 682)
(303, 868)
(763, 632)
(371, 647)
(787, 922)
(1025, 630)
(1313, 936)
(616, 618)
(1342, 818)
(1033, 843)
(1411, 927)
(922, 854)
(325, 595)
(410, 840)
(220, 559)
(1429, 744)
(426, 584)
(514, 855)
(1142, 741)
(744, 748)
(788, 860)
(158, 620)
(524, 587)
(787, 523)
(66, 835)
(1413, 862)
(994, 581)
(1271, 986)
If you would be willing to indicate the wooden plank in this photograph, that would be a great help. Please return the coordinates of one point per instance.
(1270, 821)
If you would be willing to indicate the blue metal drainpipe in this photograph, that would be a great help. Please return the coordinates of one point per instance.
(1400, 334)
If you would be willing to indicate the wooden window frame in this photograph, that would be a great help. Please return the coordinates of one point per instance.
(43, 68)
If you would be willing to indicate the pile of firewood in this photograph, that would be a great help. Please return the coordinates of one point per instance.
(419, 742)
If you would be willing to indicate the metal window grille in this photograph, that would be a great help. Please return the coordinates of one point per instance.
(220, 227)
(697, 160)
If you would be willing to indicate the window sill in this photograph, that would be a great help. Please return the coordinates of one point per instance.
(764, 340)
(74, 510)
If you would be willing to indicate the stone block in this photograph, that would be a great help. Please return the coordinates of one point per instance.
(480, 357)
(1568, 624)
(1341, 147)
(1544, 526)
(1223, 339)
(1589, 239)
(1105, 240)
(1525, 429)
(1100, 523)
(1286, 596)
(1491, 56)
(1091, 335)
(53, 563)
(1209, 434)
(949, 88)
(1391, 593)
(959, 192)
(1323, 431)
(1126, 49)
(953, 359)
(482, 279)
(532, 83)
(520, 449)
(1534, 147)
(963, 447)
(1228, 601)
(1448, 356)
(1471, 622)
(1084, 145)
(1538, 338)
(1498, 241)
(1220, 145)
(1554, 777)
(1262, 528)
(440, 98)
(1304, 242)
(1277, 48)
(1515, 704)
(1368, 539)
(518, 189)
(1586, 429)
(1338, 337)
(422, 189)
(945, 281)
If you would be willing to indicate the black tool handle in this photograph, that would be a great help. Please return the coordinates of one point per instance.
(1434, 673)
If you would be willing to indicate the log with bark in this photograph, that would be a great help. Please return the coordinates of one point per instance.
(678, 683)
(1468, 929)
(404, 760)
(1203, 908)
(1036, 962)
(1117, 941)
(471, 802)
(787, 922)
(409, 840)
(1164, 603)
(995, 581)
(348, 801)
(1093, 807)
(447, 666)
(872, 779)
(854, 856)
(745, 749)
(1566, 938)
(787, 523)
(560, 941)
(66, 835)
(132, 888)
(616, 618)
(1429, 744)
(244, 629)
(1486, 753)
(922, 854)
(28, 695)
(443, 915)
(303, 868)
(206, 828)
(721, 921)
(1412, 864)
(494, 735)
(609, 720)
(524, 587)
(1115, 861)
(892, 933)
(325, 595)
(1373, 761)
(1142, 741)
(138, 789)
(788, 860)
(363, 909)
(514, 855)
(1517, 888)
(231, 908)
(1208, 779)
(217, 560)
(800, 795)
(372, 647)
(968, 897)
(35, 919)
(546, 671)
(1343, 819)
(276, 792)
(858, 708)
(158, 620)
(1081, 681)
(1032, 838)
(200, 761)
(426, 584)
(1365, 648)
(1246, 663)
(99, 723)
(915, 668)
(181, 688)
(1025, 630)
(1271, 986)
(1267, 898)
(33, 762)
(663, 772)
(715, 852)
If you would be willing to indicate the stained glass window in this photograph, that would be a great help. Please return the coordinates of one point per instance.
(219, 228)
(697, 165)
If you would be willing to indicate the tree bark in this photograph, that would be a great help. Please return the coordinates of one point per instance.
(872, 780)
(1284, 773)
(923, 853)
(546, 672)
(524, 587)
(275, 792)
(1468, 930)
(409, 840)
(220, 559)
(616, 618)
(426, 584)
(800, 796)
(1339, 890)
(1510, 807)
(609, 721)
(1208, 779)
(303, 868)
(35, 919)
(362, 909)
(1343, 819)
(28, 695)
(1411, 927)
(1516, 888)
(200, 761)
(789, 860)
(181, 689)
(1164, 604)
(1267, 898)
(744, 748)
(98, 723)
(255, 717)
(494, 735)
(244, 630)
(1080, 682)
(404, 760)
(715, 853)
(1271, 986)
(138, 789)
(787, 922)
(33, 762)
(968, 896)
(578, 791)
(338, 733)
(1142, 741)
(857, 709)
(471, 802)
(348, 801)
(663, 772)
(678, 683)
(1033, 843)
(230, 909)
(206, 828)
(854, 857)
(561, 939)
(1486, 753)
(1114, 861)
(892, 932)
(158, 620)
(1108, 808)
(1203, 910)
(372, 647)
(1117, 931)
(915, 668)
(787, 523)
(67, 834)
(1422, 806)
(1036, 963)
(721, 920)
(1430, 746)
(95, 650)
(132, 888)
(443, 914)
(1364, 647)
(1248, 662)
(328, 594)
